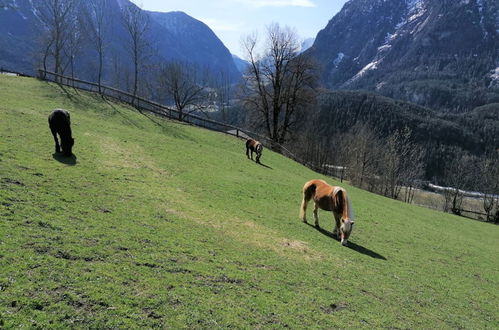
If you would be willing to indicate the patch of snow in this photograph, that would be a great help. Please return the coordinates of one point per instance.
(413, 5)
(415, 9)
(338, 59)
(371, 66)
(474, 194)
(384, 47)
(495, 74)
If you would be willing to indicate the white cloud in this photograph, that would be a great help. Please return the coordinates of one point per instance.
(278, 3)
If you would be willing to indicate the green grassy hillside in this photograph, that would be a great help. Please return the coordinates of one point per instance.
(161, 224)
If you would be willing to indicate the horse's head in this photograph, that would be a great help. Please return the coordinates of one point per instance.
(67, 146)
(345, 230)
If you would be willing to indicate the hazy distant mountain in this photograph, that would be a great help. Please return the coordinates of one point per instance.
(171, 35)
(241, 64)
(438, 53)
(197, 42)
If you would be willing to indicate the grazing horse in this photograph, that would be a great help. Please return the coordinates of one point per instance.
(329, 198)
(254, 146)
(60, 123)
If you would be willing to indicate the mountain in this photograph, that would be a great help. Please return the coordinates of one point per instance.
(438, 53)
(197, 42)
(241, 64)
(171, 36)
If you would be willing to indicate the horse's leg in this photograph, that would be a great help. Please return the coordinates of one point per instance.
(57, 146)
(258, 157)
(251, 153)
(247, 152)
(316, 215)
(336, 230)
(303, 209)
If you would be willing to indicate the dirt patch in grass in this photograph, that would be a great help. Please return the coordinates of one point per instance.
(12, 181)
(334, 307)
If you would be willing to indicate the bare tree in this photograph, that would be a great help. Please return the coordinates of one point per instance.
(97, 24)
(57, 17)
(459, 176)
(361, 148)
(401, 164)
(184, 85)
(74, 43)
(489, 185)
(223, 94)
(46, 42)
(279, 83)
(136, 23)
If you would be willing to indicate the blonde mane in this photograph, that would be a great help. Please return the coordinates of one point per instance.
(347, 212)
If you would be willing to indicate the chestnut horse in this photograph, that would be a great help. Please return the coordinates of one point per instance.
(59, 123)
(329, 198)
(254, 146)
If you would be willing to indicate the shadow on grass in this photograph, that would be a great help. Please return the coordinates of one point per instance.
(353, 246)
(162, 122)
(71, 160)
(266, 166)
(112, 105)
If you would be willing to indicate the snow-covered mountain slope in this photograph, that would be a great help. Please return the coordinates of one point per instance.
(439, 53)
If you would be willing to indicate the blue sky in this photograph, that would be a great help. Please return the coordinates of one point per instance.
(233, 19)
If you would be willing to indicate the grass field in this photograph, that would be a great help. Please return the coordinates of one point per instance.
(159, 224)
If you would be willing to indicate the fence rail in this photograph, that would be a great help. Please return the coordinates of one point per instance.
(139, 103)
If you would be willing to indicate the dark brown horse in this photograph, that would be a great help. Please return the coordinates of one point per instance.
(59, 123)
(254, 146)
(329, 198)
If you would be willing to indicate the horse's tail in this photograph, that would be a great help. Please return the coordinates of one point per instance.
(308, 193)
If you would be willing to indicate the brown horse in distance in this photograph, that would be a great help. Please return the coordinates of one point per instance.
(329, 198)
(254, 146)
